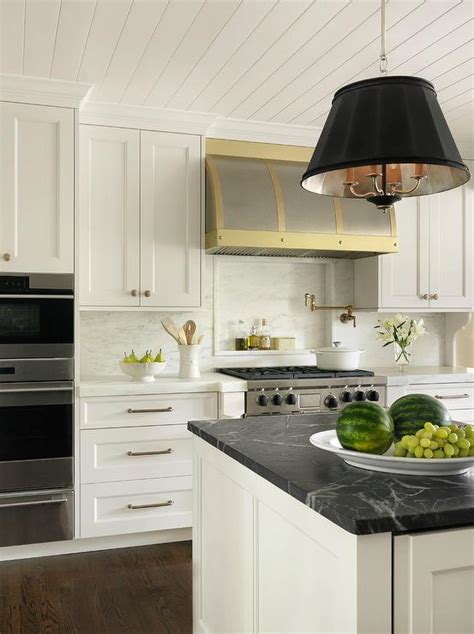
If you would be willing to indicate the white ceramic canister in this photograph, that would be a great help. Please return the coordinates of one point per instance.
(189, 362)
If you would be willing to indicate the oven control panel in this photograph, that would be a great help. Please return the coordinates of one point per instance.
(306, 400)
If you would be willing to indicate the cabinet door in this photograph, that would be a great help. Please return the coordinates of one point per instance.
(110, 216)
(451, 248)
(434, 582)
(404, 276)
(37, 184)
(170, 220)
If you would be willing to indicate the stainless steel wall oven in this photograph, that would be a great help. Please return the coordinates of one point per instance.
(36, 408)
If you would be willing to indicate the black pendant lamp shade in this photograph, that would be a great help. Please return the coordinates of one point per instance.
(384, 139)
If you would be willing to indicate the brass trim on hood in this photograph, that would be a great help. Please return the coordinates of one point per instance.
(280, 201)
(216, 192)
(268, 151)
(292, 240)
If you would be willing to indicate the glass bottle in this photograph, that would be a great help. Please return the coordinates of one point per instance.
(241, 340)
(254, 339)
(264, 336)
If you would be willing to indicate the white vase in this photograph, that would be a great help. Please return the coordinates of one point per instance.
(189, 362)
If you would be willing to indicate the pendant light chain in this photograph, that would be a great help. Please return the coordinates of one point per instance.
(383, 54)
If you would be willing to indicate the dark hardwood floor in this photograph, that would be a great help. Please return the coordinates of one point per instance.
(134, 590)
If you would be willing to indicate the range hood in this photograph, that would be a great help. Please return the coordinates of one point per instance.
(255, 206)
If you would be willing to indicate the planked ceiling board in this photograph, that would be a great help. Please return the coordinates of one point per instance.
(276, 61)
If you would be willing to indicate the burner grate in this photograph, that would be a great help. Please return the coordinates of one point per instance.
(289, 372)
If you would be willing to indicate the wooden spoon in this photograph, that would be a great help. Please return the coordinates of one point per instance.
(170, 327)
(189, 330)
(182, 337)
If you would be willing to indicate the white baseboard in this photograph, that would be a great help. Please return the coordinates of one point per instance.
(96, 543)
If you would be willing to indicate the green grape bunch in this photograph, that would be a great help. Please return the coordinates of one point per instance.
(433, 441)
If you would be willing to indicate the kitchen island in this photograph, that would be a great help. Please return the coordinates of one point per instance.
(288, 538)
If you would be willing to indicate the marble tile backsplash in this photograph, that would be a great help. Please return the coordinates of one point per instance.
(251, 288)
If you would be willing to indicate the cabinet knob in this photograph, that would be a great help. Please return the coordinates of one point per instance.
(425, 296)
(147, 293)
(134, 293)
(435, 296)
(7, 257)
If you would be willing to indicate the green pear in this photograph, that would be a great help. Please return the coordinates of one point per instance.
(133, 357)
(160, 357)
(125, 358)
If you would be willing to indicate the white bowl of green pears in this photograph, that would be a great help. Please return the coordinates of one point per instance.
(145, 368)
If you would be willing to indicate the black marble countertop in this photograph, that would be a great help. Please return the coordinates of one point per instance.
(362, 502)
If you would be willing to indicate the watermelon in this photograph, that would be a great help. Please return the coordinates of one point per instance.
(365, 426)
(409, 414)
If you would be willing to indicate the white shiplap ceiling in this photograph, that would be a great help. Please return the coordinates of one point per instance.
(263, 60)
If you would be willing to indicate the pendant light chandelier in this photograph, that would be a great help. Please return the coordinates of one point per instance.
(385, 138)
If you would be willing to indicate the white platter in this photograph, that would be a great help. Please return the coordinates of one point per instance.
(327, 440)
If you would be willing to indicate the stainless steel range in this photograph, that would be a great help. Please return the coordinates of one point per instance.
(305, 389)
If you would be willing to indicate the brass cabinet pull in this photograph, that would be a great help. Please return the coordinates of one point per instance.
(149, 453)
(134, 293)
(149, 411)
(133, 507)
(7, 257)
(147, 293)
(425, 296)
(434, 296)
(449, 396)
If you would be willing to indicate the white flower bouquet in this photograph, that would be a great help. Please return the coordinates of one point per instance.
(402, 332)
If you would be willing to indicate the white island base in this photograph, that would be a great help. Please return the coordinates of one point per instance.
(265, 562)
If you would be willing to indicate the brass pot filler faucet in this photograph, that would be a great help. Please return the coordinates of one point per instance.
(310, 300)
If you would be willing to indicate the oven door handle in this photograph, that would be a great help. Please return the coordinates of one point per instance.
(22, 390)
(33, 503)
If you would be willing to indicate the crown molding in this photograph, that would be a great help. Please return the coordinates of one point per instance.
(43, 91)
(263, 132)
(145, 118)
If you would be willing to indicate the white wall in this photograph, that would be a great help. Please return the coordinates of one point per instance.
(251, 288)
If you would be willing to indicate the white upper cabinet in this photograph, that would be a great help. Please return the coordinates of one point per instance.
(434, 267)
(170, 220)
(451, 248)
(37, 189)
(140, 222)
(109, 230)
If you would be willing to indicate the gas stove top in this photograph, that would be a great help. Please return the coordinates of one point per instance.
(305, 389)
(290, 372)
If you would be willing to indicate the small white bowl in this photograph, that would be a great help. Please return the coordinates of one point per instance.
(142, 371)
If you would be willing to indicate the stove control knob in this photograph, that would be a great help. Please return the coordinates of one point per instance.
(373, 395)
(330, 401)
(359, 395)
(262, 400)
(291, 399)
(277, 399)
(346, 396)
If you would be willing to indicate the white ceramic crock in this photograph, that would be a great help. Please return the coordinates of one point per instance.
(189, 362)
(338, 357)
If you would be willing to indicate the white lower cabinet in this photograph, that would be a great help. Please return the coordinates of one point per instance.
(263, 562)
(433, 581)
(458, 397)
(130, 453)
(136, 461)
(156, 409)
(115, 508)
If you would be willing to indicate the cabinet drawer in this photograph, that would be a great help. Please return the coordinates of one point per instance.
(160, 409)
(135, 453)
(113, 508)
(453, 395)
(464, 416)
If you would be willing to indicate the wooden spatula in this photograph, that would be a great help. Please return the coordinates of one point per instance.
(170, 327)
(189, 330)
